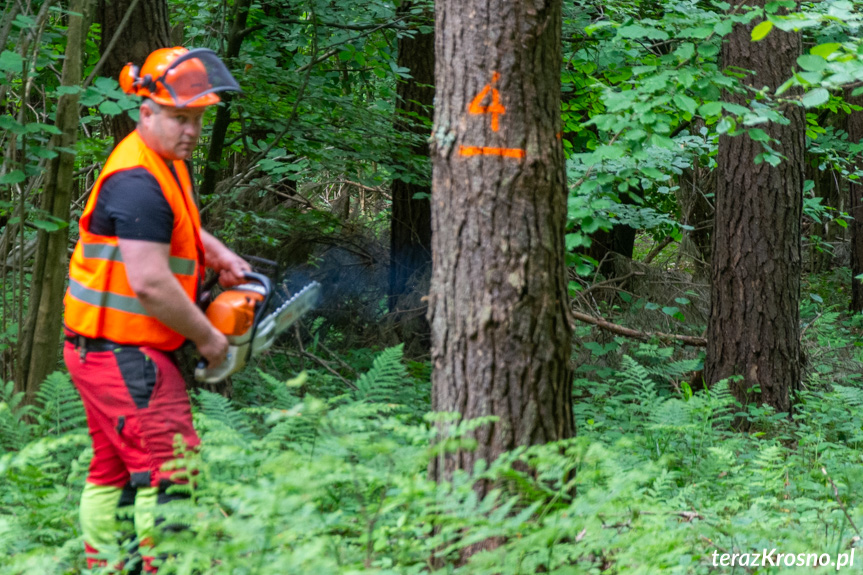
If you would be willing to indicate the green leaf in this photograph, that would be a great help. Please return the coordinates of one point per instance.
(710, 109)
(815, 98)
(724, 125)
(670, 310)
(685, 103)
(110, 108)
(638, 31)
(685, 51)
(654, 173)
(11, 62)
(682, 301)
(13, 177)
(51, 225)
(811, 62)
(760, 31)
(723, 28)
(662, 141)
(735, 109)
(708, 50)
(758, 135)
(825, 50)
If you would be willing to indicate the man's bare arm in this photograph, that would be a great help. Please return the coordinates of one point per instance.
(150, 277)
(229, 265)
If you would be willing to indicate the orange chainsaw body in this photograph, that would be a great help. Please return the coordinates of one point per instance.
(233, 311)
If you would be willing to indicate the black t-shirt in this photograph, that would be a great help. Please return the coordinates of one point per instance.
(131, 206)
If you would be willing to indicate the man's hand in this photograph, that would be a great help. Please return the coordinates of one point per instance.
(229, 265)
(214, 348)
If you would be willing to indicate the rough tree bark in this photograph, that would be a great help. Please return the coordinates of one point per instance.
(40, 339)
(753, 330)
(410, 227)
(148, 29)
(499, 311)
(855, 208)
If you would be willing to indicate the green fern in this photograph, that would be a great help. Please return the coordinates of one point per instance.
(219, 409)
(851, 396)
(387, 381)
(15, 432)
(60, 408)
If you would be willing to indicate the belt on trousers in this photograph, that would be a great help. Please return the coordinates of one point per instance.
(93, 344)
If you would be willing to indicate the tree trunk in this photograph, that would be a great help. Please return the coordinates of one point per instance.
(148, 29)
(499, 309)
(753, 330)
(618, 241)
(827, 231)
(855, 209)
(695, 185)
(236, 36)
(410, 228)
(40, 339)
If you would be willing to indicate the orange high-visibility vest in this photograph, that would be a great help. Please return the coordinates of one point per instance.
(99, 302)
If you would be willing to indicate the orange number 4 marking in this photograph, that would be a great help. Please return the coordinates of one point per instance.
(495, 108)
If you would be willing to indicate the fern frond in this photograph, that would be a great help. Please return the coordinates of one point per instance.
(60, 407)
(386, 381)
(15, 432)
(220, 410)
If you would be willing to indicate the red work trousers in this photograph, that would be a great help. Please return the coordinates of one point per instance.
(137, 406)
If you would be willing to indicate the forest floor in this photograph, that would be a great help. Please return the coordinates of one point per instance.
(325, 472)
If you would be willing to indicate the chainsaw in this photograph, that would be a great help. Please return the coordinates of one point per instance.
(242, 314)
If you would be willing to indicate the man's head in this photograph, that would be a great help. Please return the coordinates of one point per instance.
(170, 131)
(177, 84)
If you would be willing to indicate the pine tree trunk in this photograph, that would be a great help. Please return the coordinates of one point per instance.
(855, 209)
(148, 29)
(753, 330)
(40, 340)
(499, 309)
(410, 227)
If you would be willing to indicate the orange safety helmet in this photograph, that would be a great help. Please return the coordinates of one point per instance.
(179, 77)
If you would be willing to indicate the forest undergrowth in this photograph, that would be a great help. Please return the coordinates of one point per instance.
(305, 474)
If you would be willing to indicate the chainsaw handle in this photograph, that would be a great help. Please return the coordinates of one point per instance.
(265, 282)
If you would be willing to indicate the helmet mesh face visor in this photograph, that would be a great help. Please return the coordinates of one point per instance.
(195, 77)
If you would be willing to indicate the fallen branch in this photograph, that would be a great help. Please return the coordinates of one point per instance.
(657, 249)
(639, 335)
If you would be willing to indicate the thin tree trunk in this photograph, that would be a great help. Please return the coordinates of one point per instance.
(821, 256)
(410, 228)
(148, 29)
(855, 209)
(223, 114)
(753, 330)
(40, 339)
(499, 309)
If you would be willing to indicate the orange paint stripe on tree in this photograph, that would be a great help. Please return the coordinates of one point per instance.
(484, 151)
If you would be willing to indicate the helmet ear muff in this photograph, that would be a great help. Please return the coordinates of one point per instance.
(129, 78)
(148, 83)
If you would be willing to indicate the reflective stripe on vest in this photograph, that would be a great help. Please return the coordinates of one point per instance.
(107, 299)
(179, 266)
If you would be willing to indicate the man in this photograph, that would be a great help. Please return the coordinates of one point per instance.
(133, 281)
